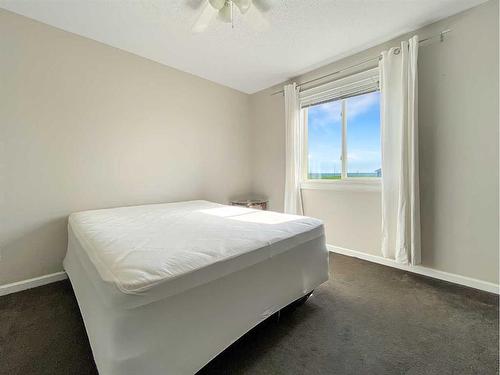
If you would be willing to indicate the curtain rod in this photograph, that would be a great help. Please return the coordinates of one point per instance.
(440, 35)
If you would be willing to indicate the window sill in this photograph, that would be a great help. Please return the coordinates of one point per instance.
(347, 185)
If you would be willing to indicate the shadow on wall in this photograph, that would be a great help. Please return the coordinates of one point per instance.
(428, 177)
(21, 255)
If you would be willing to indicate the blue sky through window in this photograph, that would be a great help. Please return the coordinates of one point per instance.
(363, 133)
(324, 137)
(363, 137)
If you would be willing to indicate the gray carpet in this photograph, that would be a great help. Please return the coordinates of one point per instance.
(369, 319)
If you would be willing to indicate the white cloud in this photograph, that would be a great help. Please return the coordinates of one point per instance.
(363, 155)
(330, 111)
(358, 105)
(327, 113)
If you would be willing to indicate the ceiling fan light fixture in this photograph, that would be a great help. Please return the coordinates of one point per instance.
(225, 13)
(217, 4)
(243, 5)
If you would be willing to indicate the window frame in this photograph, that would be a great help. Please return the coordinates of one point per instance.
(321, 95)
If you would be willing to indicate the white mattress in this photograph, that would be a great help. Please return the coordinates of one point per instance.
(165, 288)
(163, 249)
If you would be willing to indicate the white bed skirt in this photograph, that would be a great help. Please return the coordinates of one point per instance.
(183, 332)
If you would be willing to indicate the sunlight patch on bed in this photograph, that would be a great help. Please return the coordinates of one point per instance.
(266, 217)
(226, 211)
(251, 216)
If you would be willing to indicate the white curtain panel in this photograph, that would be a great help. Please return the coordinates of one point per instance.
(399, 128)
(294, 140)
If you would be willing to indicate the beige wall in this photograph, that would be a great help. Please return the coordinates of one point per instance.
(458, 113)
(353, 217)
(84, 125)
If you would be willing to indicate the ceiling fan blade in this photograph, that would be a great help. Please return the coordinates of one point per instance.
(204, 19)
(262, 5)
(256, 19)
(243, 5)
(195, 4)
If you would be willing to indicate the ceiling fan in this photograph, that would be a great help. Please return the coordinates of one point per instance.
(225, 11)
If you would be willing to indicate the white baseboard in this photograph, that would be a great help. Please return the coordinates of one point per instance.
(32, 283)
(430, 272)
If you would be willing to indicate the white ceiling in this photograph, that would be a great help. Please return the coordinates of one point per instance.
(300, 34)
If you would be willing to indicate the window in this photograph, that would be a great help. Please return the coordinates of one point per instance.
(342, 126)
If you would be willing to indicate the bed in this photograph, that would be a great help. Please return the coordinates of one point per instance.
(164, 288)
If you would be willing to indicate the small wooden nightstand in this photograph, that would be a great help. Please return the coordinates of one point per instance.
(257, 203)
